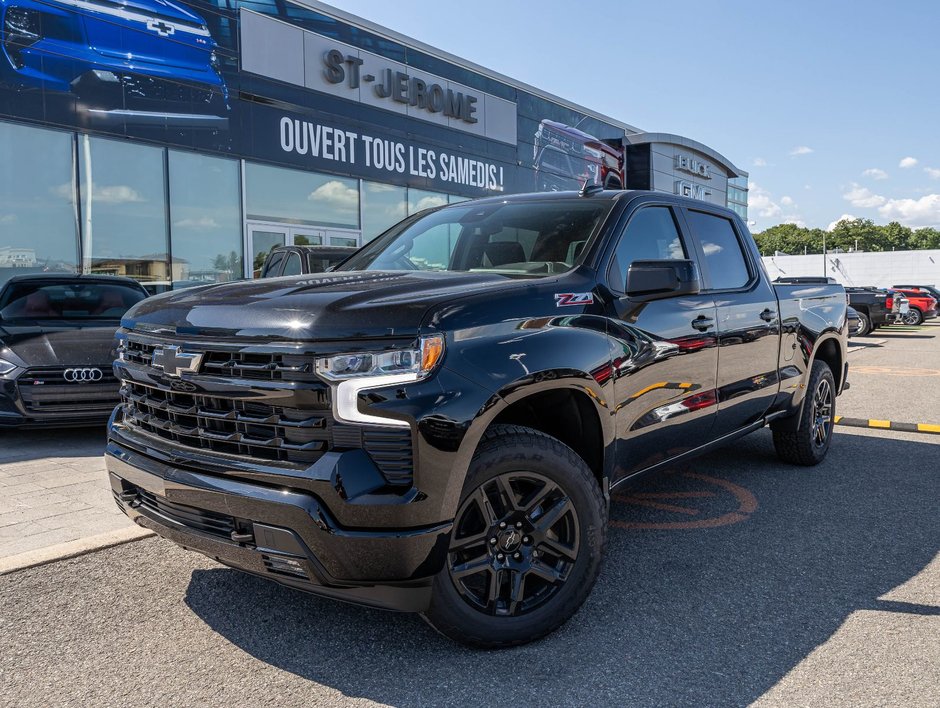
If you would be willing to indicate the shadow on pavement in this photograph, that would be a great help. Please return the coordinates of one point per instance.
(679, 616)
(25, 445)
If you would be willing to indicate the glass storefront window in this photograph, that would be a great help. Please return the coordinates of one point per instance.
(383, 205)
(37, 201)
(419, 199)
(205, 218)
(296, 196)
(123, 208)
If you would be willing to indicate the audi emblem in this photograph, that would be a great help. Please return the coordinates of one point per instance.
(83, 375)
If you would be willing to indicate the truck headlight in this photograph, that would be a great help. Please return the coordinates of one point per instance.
(6, 367)
(417, 362)
(366, 370)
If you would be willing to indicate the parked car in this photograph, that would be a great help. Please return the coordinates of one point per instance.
(437, 425)
(873, 308)
(933, 290)
(851, 314)
(922, 305)
(57, 347)
(147, 62)
(301, 260)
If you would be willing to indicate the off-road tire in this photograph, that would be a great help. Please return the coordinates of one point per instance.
(801, 446)
(513, 449)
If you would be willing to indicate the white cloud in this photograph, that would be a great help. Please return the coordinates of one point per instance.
(801, 150)
(796, 220)
(907, 162)
(203, 223)
(7, 219)
(913, 212)
(431, 201)
(337, 194)
(760, 202)
(786, 201)
(844, 217)
(863, 198)
(875, 173)
(933, 172)
(759, 162)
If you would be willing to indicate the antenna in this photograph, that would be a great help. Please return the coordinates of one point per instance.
(588, 189)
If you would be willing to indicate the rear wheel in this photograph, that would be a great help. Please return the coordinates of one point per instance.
(912, 317)
(527, 542)
(809, 443)
(864, 325)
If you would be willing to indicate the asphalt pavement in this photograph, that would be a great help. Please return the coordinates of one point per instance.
(730, 580)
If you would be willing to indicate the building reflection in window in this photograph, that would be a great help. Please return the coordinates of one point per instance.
(38, 226)
(123, 211)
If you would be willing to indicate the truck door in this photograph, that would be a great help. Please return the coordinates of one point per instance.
(748, 321)
(665, 351)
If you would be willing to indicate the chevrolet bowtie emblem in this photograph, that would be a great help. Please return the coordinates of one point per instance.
(174, 362)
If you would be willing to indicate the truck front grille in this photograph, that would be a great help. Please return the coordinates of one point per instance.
(229, 425)
(237, 363)
(281, 413)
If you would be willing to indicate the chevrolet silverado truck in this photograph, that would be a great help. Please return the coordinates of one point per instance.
(437, 425)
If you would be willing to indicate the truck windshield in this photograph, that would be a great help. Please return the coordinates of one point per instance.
(67, 301)
(526, 238)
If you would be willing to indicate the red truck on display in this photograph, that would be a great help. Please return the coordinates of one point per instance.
(565, 158)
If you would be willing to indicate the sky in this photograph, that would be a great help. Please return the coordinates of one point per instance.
(831, 107)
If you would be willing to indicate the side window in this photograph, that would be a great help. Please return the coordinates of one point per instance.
(272, 265)
(652, 234)
(292, 266)
(724, 259)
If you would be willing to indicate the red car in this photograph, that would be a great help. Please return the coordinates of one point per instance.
(923, 305)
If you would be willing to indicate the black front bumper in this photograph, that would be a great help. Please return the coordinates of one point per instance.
(286, 535)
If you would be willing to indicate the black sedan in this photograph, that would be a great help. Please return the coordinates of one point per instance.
(57, 347)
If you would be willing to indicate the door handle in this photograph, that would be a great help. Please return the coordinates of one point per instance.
(702, 323)
(768, 315)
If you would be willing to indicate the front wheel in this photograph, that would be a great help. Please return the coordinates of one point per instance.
(527, 542)
(809, 443)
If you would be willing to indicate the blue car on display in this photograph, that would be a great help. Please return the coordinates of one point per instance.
(132, 62)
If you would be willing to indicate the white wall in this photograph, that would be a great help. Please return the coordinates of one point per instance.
(881, 269)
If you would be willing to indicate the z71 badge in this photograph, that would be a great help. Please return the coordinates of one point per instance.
(565, 299)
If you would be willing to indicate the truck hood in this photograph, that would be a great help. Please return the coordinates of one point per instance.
(328, 306)
(156, 32)
(65, 345)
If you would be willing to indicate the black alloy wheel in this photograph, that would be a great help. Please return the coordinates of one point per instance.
(805, 440)
(822, 412)
(526, 545)
(514, 544)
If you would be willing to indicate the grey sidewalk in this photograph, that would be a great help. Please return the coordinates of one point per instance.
(53, 489)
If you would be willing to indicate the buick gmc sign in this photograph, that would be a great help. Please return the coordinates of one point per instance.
(400, 86)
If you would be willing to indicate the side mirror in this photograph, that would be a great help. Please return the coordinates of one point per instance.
(655, 280)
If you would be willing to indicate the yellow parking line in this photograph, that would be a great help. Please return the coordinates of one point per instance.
(928, 428)
(837, 419)
(879, 423)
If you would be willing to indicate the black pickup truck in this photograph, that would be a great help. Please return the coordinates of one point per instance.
(437, 425)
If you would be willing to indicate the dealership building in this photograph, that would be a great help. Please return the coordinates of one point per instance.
(178, 142)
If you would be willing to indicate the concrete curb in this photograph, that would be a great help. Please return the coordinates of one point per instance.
(71, 549)
(867, 344)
